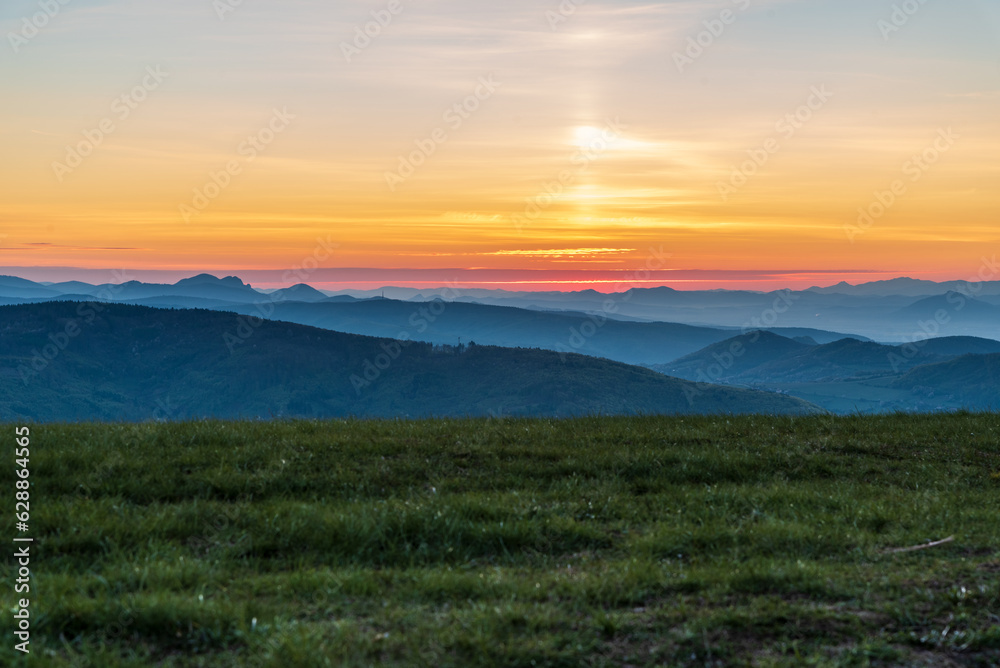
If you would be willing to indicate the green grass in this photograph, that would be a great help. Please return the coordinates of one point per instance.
(591, 542)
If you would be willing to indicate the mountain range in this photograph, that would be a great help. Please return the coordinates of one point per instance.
(838, 370)
(66, 361)
(851, 375)
(599, 334)
(898, 310)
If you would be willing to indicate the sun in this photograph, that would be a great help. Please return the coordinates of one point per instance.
(587, 136)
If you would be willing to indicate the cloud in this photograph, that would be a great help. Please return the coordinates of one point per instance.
(45, 246)
(561, 252)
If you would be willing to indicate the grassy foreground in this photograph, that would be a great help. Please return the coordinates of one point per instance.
(590, 542)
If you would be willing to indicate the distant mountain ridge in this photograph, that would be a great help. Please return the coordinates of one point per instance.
(896, 310)
(954, 306)
(299, 293)
(909, 287)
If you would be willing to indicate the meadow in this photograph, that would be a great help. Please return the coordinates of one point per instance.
(649, 541)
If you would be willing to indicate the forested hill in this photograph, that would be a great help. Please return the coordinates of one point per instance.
(68, 361)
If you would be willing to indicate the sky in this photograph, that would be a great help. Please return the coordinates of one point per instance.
(525, 145)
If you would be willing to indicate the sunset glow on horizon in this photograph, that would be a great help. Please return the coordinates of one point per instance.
(724, 144)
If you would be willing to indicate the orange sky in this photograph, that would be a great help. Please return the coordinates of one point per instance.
(591, 107)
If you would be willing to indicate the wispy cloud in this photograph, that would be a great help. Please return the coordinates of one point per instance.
(562, 252)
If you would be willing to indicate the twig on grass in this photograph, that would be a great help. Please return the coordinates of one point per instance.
(914, 548)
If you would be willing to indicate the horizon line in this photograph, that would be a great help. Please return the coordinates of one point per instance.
(737, 280)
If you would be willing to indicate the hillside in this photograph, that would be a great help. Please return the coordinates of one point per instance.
(846, 358)
(769, 358)
(972, 381)
(137, 363)
(733, 357)
(446, 322)
(957, 306)
(956, 346)
(851, 376)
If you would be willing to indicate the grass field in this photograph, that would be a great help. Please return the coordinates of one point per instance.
(592, 542)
